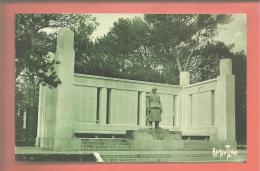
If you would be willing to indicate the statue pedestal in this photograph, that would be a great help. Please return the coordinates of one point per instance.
(154, 139)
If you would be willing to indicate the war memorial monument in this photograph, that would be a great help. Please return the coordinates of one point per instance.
(105, 119)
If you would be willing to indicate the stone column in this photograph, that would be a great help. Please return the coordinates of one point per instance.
(65, 71)
(46, 112)
(187, 112)
(102, 105)
(142, 109)
(180, 117)
(184, 78)
(39, 123)
(225, 102)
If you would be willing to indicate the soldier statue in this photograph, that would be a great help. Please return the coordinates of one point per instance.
(153, 108)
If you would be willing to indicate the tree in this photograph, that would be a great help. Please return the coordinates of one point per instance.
(239, 69)
(176, 37)
(123, 51)
(205, 63)
(157, 47)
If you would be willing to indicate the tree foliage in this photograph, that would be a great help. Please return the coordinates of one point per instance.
(155, 48)
(35, 37)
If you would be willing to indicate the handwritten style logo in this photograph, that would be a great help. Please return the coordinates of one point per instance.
(228, 152)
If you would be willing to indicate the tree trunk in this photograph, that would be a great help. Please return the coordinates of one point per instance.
(188, 59)
(178, 64)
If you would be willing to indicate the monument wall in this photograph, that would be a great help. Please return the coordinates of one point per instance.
(101, 105)
(112, 102)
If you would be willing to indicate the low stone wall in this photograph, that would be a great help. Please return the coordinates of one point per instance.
(108, 101)
(208, 107)
(199, 111)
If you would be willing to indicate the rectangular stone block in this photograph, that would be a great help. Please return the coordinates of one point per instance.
(225, 108)
(85, 104)
(142, 108)
(102, 105)
(154, 139)
(201, 109)
(123, 107)
(168, 108)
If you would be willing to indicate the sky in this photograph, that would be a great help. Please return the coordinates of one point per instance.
(234, 32)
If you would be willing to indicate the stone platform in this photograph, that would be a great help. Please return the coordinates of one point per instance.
(143, 145)
(150, 139)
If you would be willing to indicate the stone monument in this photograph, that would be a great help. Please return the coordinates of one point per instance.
(86, 107)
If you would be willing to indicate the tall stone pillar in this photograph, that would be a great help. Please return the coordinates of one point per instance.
(142, 109)
(42, 139)
(40, 118)
(180, 117)
(102, 105)
(225, 102)
(65, 71)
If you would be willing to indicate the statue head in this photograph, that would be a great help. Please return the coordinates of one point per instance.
(154, 90)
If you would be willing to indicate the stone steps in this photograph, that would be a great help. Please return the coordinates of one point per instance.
(110, 148)
(105, 141)
(116, 144)
(173, 156)
(124, 144)
(177, 159)
(34, 154)
(197, 145)
(162, 153)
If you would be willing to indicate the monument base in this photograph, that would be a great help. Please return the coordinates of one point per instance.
(154, 139)
(144, 139)
(44, 143)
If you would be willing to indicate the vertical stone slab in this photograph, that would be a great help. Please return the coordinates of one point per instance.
(46, 112)
(88, 104)
(76, 100)
(40, 117)
(65, 71)
(175, 110)
(184, 80)
(102, 105)
(84, 104)
(201, 109)
(123, 109)
(142, 109)
(225, 102)
(178, 114)
(187, 111)
(167, 107)
(42, 127)
(50, 117)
